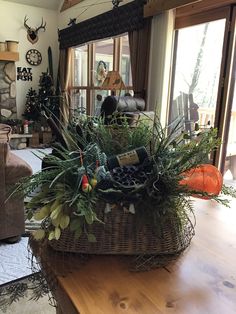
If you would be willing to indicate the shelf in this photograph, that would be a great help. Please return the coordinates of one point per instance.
(9, 56)
(16, 135)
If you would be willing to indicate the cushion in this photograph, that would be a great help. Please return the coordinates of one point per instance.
(16, 168)
(131, 104)
(5, 132)
(121, 104)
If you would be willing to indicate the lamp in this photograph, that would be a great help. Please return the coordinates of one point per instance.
(113, 81)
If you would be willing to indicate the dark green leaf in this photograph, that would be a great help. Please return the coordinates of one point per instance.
(30, 215)
(78, 233)
(75, 224)
(88, 216)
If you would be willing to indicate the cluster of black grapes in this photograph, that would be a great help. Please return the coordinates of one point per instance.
(129, 175)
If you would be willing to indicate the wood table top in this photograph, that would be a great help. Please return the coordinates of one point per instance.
(201, 281)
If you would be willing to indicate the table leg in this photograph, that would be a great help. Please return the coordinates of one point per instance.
(64, 304)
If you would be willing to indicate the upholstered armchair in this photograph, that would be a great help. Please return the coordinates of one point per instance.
(126, 106)
(12, 169)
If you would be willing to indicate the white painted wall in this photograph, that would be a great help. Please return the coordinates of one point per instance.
(12, 28)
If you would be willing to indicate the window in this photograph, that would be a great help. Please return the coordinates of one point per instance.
(197, 73)
(89, 67)
(125, 62)
(103, 59)
(80, 78)
(80, 66)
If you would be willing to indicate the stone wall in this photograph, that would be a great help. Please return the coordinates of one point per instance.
(8, 89)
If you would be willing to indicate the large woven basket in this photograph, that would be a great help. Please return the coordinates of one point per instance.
(121, 233)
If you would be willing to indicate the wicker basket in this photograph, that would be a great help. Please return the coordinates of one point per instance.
(122, 234)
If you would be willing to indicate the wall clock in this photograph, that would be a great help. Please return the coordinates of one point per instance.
(33, 57)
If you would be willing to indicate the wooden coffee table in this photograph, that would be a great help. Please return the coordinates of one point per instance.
(201, 281)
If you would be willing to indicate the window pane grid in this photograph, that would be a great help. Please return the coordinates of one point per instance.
(90, 65)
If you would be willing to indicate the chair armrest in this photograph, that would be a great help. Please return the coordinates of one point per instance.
(4, 149)
(16, 168)
(5, 132)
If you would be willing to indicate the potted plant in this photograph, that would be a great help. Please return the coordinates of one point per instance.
(87, 204)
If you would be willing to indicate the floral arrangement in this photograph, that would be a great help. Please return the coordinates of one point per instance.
(77, 175)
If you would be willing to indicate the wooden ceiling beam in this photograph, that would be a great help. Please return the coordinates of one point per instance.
(154, 7)
(69, 3)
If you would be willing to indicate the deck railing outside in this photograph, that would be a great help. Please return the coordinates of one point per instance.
(208, 114)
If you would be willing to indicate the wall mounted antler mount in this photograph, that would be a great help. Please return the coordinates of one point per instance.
(32, 33)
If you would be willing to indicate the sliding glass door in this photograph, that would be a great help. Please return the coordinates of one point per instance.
(199, 50)
(227, 156)
(203, 80)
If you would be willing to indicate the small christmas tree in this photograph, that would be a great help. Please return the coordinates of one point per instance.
(32, 108)
(49, 102)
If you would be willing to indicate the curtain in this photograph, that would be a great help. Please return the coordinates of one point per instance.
(64, 75)
(139, 42)
(161, 49)
(118, 21)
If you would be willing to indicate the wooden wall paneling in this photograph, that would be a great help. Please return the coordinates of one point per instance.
(204, 5)
(202, 17)
(154, 7)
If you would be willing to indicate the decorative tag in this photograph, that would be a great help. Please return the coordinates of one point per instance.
(129, 158)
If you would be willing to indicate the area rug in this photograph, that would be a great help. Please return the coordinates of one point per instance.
(26, 296)
(15, 261)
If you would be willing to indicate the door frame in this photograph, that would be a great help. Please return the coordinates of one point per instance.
(226, 90)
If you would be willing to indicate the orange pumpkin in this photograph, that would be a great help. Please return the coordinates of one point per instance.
(204, 178)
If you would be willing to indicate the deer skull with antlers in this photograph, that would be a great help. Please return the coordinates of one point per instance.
(32, 33)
